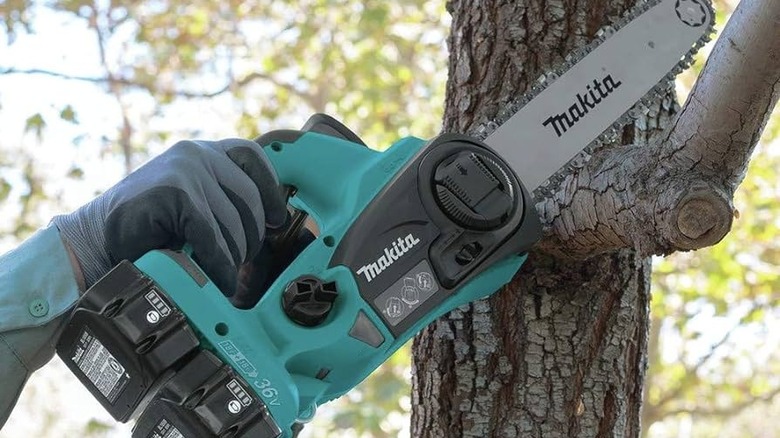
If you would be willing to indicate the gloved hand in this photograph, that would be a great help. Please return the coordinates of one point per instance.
(218, 197)
(256, 275)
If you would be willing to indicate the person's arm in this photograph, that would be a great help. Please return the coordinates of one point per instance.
(218, 197)
(37, 288)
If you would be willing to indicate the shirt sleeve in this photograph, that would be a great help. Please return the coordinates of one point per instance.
(37, 289)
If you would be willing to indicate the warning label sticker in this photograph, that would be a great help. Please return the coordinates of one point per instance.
(164, 429)
(100, 366)
(402, 299)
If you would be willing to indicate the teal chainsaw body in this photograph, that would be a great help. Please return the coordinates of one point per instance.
(405, 236)
(294, 367)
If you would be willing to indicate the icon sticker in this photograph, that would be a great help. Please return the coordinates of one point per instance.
(402, 300)
(234, 406)
(410, 295)
(153, 317)
(394, 307)
(425, 281)
(116, 366)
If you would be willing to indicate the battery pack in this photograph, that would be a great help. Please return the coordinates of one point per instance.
(125, 339)
(206, 399)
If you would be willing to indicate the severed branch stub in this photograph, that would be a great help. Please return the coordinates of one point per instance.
(702, 217)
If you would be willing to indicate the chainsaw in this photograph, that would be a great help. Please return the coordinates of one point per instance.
(405, 236)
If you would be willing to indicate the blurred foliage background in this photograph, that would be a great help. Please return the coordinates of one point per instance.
(91, 89)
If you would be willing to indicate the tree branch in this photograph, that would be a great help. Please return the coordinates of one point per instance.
(658, 411)
(728, 411)
(115, 87)
(60, 75)
(691, 376)
(677, 194)
(231, 85)
(728, 107)
(719, 127)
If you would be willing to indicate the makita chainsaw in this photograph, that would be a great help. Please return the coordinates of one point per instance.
(405, 236)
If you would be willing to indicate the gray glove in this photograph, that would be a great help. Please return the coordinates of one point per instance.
(218, 197)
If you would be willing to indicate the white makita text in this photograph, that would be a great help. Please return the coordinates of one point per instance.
(401, 246)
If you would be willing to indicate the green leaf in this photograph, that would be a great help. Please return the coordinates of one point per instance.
(76, 173)
(68, 114)
(5, 189)
(96, 428)
(36, 124)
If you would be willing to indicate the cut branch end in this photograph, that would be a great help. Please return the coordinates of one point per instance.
(701, 218)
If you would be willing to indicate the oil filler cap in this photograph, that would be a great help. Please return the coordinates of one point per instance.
(475, 190)
(307, 300)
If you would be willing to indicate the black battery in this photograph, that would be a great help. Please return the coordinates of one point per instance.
(125, 339)
(206, 399)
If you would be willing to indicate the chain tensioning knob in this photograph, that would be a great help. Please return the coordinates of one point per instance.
(475, 191)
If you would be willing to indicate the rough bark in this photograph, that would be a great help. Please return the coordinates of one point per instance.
(561, 352)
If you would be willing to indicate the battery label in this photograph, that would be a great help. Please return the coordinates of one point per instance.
(100, 366)
(164, 429)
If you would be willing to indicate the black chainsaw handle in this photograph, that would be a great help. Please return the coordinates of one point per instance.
(320, 123)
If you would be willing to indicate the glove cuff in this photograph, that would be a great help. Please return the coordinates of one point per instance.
(83, 231)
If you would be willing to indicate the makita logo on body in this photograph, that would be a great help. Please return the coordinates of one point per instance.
(400, 247)
(585, 102)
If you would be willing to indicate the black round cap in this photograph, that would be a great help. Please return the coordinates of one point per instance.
(307, 300)
(475, 191)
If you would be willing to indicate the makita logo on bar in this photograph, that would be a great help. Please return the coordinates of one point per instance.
(401, 246)
(586, 101)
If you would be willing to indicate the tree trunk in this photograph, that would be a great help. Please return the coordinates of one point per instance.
(561, 351)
